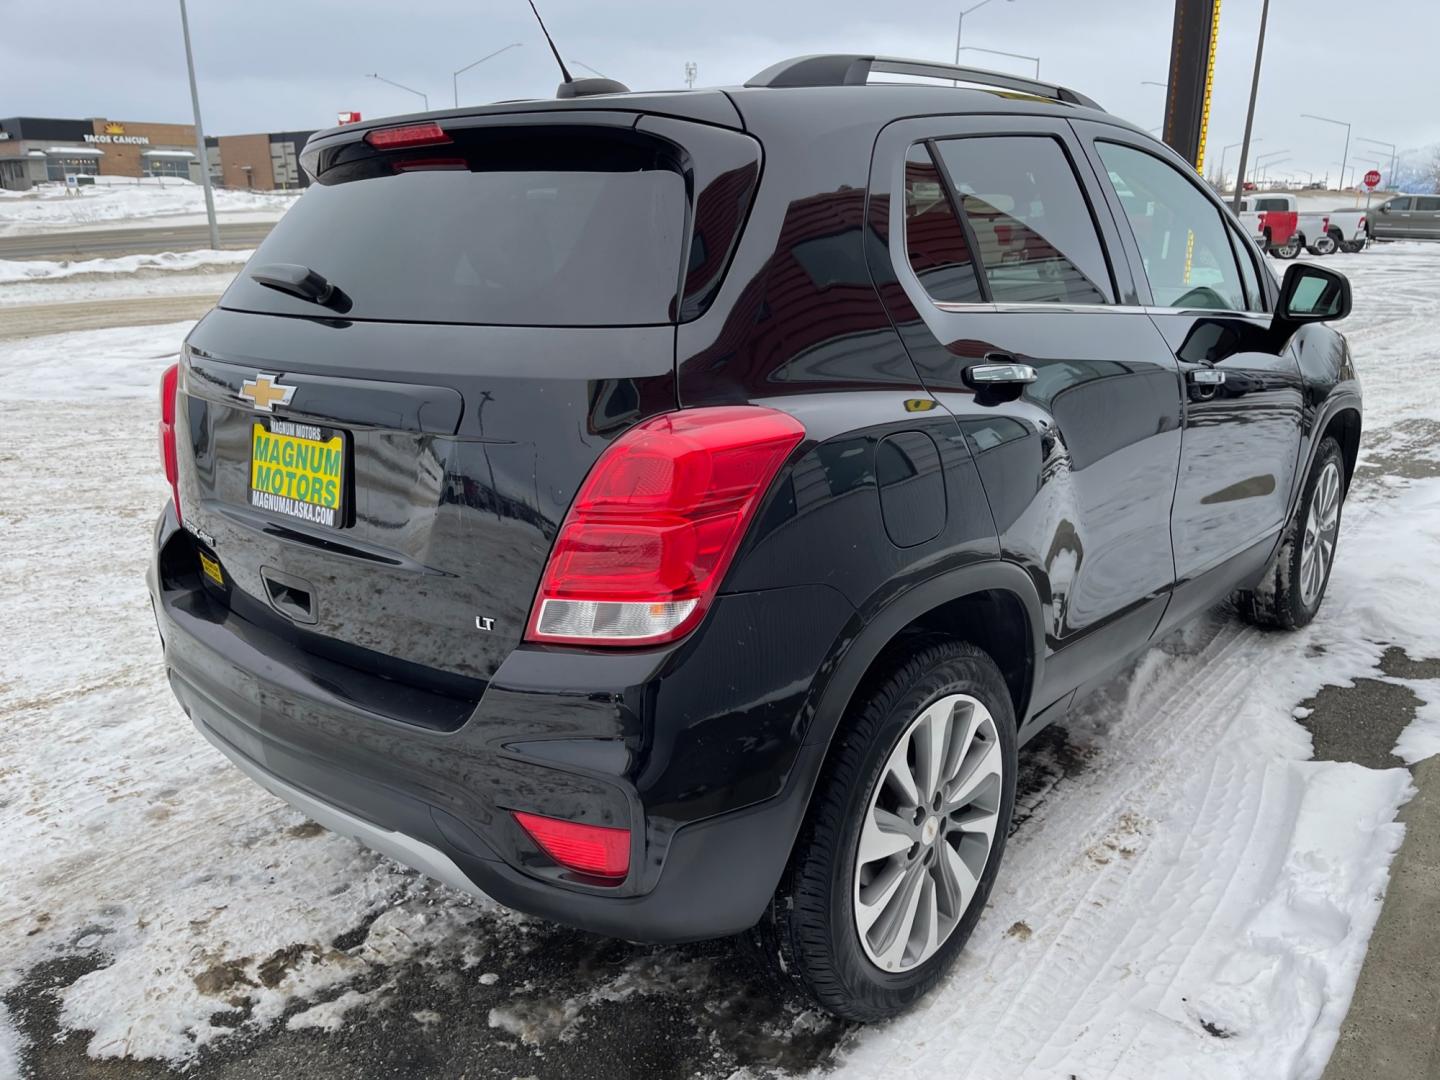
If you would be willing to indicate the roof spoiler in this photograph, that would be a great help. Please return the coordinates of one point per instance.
(847, 69)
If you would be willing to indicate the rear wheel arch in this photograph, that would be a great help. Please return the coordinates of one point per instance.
(994, 605)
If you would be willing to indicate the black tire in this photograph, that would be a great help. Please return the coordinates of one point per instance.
(1278, 601)
(1288, 250)
(809, 934)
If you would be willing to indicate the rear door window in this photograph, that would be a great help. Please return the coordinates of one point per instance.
(549, 226)
(1030, 223)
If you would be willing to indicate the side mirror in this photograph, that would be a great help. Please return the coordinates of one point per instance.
(1385, 208)
(1312, 293)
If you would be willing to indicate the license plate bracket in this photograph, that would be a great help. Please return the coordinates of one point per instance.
(300, 471)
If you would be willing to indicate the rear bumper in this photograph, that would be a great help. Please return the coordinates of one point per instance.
(713, 794)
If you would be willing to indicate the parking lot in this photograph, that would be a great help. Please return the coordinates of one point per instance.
(1186, 893)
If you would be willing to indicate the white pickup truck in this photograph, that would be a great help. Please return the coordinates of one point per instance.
(1280, 227)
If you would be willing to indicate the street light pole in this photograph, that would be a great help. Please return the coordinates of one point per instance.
(960, 26)
(1377, 142)
(1344, 157)
(455, 77)
(200, 133)
(390, 82)
(1000, 52)
(1225, 150)
(1250, 112)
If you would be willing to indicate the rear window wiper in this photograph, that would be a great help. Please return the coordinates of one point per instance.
(302, 282)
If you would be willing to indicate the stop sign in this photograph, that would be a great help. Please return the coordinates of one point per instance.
(1372, 178)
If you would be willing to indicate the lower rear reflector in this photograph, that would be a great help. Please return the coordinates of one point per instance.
(596, 850)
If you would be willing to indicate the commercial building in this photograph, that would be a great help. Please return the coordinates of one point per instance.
(265, 162)
(36, 150)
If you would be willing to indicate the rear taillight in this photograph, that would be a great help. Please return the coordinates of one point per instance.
(169, 389)
(596, 850)
(656, 523)
(397, 138)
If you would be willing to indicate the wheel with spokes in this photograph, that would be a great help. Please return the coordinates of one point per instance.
(904, 838)
(1293, 587)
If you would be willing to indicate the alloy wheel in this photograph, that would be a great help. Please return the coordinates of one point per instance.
(1322, 524)
(928, 832)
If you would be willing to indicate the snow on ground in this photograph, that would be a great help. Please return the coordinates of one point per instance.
(1193, 898)
(32, 270)
(117, 201)
(42, 281)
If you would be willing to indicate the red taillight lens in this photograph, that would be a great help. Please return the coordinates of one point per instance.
(395, 138)
(589, 849)
(656, 523)
(169, 390)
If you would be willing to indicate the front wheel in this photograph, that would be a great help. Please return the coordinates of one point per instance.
(904, 837)
(1289, 594)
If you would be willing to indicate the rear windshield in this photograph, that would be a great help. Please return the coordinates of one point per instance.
(550, 226)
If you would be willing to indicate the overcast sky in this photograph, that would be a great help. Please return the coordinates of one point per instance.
(266, 65)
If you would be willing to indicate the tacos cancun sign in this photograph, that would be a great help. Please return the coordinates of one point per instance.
(115, 133)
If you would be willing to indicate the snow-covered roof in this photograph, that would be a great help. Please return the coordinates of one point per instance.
(168, 153)
(74, 151)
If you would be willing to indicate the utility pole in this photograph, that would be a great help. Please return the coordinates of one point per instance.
(1250, 112)
(690, 72)
(200, 134)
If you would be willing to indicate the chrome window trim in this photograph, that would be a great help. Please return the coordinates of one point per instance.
(1018, 307)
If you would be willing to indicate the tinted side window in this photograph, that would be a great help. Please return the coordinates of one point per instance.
(934, 239)
(1427, 204)
(1181, 236)
(1254, 298)
(1398, 204)
(1033, 230)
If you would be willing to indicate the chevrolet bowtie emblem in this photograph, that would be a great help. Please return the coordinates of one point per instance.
(265, 392)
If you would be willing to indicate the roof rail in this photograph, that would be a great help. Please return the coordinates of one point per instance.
(847, 69)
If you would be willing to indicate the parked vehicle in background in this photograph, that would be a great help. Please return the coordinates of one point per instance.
(1347, 229)
(1274, 223)
(1406, 217)
(573, 510)
(1280, 226)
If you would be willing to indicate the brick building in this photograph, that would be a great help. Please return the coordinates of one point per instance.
(36, 150)
(263, 162)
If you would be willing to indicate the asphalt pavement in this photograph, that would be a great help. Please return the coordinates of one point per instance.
(94, 243)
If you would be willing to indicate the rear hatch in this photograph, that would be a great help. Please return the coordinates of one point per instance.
(384, 439)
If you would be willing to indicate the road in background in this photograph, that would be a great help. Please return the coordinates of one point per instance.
(91, 243)
(32, 320)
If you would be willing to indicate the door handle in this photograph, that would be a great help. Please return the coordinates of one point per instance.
(1000, 370)
(1207, 378)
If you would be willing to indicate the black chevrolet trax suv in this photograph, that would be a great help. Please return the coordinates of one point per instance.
(669, 513)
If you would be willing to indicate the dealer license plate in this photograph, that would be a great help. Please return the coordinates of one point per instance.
(298, 470)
